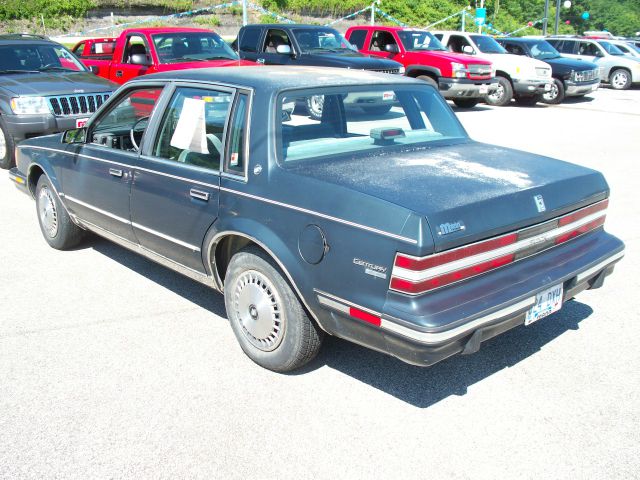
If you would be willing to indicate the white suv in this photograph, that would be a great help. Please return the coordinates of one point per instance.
(522, 78)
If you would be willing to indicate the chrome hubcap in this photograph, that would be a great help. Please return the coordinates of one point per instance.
(47, 212)
(619, 80)
(257, 306)
(553, 93)
(498, 94)
(316, 103)
(3, 145)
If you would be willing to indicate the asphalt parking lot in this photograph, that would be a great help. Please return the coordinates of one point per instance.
(114, 367)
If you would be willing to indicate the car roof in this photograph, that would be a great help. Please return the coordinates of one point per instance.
(280, 77)
(25, 38)
(152, 30)
(288, 25)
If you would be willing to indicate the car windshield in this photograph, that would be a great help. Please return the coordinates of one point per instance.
(178, 47)
(416, 41)
(543, 50)
(313, 40)
(487, 44)
(37, 58)
(611, 49)
(338, 123)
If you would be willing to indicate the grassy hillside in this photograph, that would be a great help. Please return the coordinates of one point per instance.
(621, 17)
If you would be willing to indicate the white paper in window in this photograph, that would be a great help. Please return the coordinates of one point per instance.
(99, 48)
(191, 133)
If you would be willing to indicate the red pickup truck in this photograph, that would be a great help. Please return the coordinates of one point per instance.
(462, 78)
(140, 51)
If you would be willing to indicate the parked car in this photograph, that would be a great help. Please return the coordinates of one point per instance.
(616, 68)
(142, 51)
(43, 89)
(353, 225)
(522, 78)
(313, 45)
(571, 78)
(628, 48)
(461, 78)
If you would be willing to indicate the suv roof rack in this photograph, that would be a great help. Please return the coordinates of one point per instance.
(21, 36)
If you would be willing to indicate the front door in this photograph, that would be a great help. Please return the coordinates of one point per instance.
(269, 50)
(97, 180)
(174, 199)
(122, 69)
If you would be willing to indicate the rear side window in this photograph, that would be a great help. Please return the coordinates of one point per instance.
(78, 49)
(237, 155)
(357, 38)
(249, 39)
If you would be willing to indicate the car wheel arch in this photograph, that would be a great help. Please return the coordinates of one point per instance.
(414, 71)
(613, 69)
(33, 175)
(502, 73)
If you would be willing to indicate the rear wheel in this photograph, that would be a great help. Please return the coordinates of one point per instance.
(377, 109)
(56, 225)
(466, 102)
(528, 101)
(556, 94)
(502, 95)
(6, 147)
(266, 316)
(620, 79)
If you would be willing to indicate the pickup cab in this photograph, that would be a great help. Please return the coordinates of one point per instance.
(525, 79)
(461, 78)
(142, 51)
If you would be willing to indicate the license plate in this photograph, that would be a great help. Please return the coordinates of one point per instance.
(547, 87)
(484, 89)
(81, 122)
(547, 302)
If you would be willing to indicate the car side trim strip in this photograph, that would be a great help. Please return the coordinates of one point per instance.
(135, 225)
(321, 215)
(599, 266)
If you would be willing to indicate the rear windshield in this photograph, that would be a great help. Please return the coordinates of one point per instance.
(338, 123)
(184, 47)
(38, 58)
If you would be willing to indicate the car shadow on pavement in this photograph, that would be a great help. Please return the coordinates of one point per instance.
(578, 100)
(424, 387)
(203, 296)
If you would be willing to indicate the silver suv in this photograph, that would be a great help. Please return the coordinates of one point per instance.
(616, 68)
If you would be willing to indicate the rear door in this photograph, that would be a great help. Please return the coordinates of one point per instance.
(249, 42)
(175, 191)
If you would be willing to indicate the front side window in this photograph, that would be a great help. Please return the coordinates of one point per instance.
(362, 121)
(457, 43)
(136, 45)
(318, 40)
(123, 126)
(487, 44)
(192, 47)
(192, 129)
(274, 39)
(38, 58)
(589, 49)
(380, 39)
(417, 41)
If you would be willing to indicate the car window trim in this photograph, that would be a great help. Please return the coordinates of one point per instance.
(147, 149)
(226, 172)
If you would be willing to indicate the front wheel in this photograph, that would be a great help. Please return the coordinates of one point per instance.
(556, 94)
(502, 95)
(6, 147)
(56, 225)
(620, 79)
(266, 316)
(465, 102)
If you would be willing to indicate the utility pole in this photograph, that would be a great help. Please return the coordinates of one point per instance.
(546, 15)
(555, 30)
(244, 12)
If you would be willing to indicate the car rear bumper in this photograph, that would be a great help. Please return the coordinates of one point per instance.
(531, 87)
(22, 127)
(466, 88)
(19, 179)
(573, 88)
(427, 329)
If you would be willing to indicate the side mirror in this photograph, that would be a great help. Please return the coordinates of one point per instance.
(468, 49)
(75, 135)
(94, 69)
(391, 48)
(139, 59)
(283, 49)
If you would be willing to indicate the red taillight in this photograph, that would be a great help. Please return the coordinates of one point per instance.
(415, 275)
(365, 316)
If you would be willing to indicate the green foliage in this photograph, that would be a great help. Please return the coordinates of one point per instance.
(207, 20)
(18, 9)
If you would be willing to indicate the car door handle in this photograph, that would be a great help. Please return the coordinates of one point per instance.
(199, 194)
(116, 172)
(260, 60)
(118, 73)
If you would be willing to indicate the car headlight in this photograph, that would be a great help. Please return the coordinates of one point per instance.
(459, 69)
(29, 105)
(402, 70)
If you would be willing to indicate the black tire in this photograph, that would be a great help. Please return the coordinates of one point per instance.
(7, 147)
(55, 224)
(528, 100)
(255, 290)
(503, 94)
(620, 79)
(556, 94)
(430, 80)
(466, 102)
(376, 109)
(314, 106)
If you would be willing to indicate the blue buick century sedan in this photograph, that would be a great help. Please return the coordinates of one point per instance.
(390, 228)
